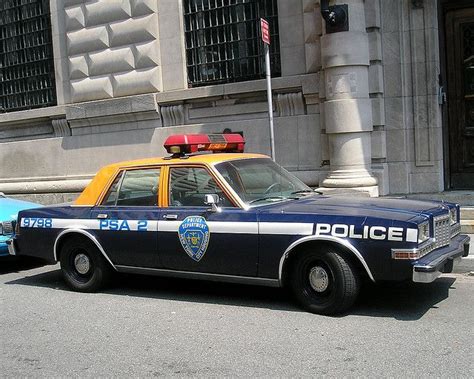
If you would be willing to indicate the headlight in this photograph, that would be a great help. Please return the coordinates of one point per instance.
(453, 216)
(423, 232)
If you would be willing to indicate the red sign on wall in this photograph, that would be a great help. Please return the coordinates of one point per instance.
(265, 31)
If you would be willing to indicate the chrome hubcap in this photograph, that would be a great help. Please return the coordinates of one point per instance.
(82, 264)
(318, 279)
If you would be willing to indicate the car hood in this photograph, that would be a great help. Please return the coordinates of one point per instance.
(9, 208)
(395, 209)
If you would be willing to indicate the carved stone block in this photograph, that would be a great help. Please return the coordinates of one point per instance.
(75, 18)
(111, 61)
(78, 67)
(290, 104)
(146, 54)
(99, 13)
(137, 82)
(172, 114)
(133, 30)
(91, 88)
(86, 40)
(143, 7)
(61, 127)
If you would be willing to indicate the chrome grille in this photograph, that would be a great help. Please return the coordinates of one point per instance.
(442, 231)
(455, 229)
(7, 227)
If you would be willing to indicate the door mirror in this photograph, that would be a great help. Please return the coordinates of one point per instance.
(212, 200)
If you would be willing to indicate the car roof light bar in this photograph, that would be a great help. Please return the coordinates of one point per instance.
(180, 144)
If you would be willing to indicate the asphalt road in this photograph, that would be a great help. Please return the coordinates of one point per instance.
(159, 327)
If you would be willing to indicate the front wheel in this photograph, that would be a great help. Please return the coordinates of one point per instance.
(323, 281)
(84, 268)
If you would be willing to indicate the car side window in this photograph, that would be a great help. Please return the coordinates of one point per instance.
(136, 188)
(111, 197)
(188, 185)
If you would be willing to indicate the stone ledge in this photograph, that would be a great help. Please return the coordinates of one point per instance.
(309, 82)
(33, 186)
(52, 112)
(111, 107)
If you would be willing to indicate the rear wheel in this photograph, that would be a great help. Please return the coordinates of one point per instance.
(323, 281)
(83, 266)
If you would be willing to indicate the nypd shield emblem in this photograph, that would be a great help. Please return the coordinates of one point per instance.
(194, 236)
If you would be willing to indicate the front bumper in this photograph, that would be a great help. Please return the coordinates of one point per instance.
(11, 247)
(439, 261)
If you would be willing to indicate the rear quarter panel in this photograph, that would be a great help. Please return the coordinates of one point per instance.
(37, 238)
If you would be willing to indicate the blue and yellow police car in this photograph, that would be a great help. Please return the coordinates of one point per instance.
(237, 217)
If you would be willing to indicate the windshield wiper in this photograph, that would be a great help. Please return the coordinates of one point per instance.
(267, 198)
(306, 191)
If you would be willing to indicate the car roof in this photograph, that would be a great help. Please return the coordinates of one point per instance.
(105, 175)
(196, 158)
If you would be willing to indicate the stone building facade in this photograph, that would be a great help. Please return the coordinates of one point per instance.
(362, 108)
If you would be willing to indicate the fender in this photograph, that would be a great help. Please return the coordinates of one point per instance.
(337, 240)
(88, 235)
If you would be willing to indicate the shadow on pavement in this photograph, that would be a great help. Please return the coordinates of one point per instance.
(402, 301)
(16, 264)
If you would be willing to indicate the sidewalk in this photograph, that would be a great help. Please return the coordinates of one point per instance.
(466, 264)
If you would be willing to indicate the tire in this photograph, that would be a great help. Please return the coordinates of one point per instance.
(323, 281)
(83, 267)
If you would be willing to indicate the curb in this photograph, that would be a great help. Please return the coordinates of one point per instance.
(466, 265)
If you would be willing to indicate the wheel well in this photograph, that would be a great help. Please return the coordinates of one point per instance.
(301, 248)
(68, 237)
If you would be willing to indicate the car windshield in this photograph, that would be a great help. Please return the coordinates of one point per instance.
(260, 181)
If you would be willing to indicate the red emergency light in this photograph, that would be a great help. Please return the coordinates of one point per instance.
(193, 143)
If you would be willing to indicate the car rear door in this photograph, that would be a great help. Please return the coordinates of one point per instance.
(128, 218)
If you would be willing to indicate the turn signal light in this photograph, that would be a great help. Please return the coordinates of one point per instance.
(405, 254)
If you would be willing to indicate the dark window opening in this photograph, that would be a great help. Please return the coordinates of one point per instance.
(134, 188)
(26, 55)
(189, 185)
(223, 40)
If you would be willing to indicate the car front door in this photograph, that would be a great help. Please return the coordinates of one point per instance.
(128, 218)
(195, 238)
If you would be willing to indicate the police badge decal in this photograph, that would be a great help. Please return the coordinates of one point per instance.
(194, 236)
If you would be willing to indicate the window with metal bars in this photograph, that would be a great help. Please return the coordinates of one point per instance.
(223, 40)
(26, 55)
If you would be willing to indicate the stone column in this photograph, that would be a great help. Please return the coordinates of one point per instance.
(347, 108)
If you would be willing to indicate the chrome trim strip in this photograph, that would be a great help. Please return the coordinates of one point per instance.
(286, 228)
(88, 235)
(234, 227)
(323, 238)
(200, 275)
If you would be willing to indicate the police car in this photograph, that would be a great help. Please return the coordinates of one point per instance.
(236, 217)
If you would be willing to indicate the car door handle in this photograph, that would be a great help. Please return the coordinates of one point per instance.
(102, 215)
(170, 217)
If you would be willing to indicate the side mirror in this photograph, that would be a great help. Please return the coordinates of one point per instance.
(212, 200)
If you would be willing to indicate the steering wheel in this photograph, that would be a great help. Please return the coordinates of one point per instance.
(272, 187)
